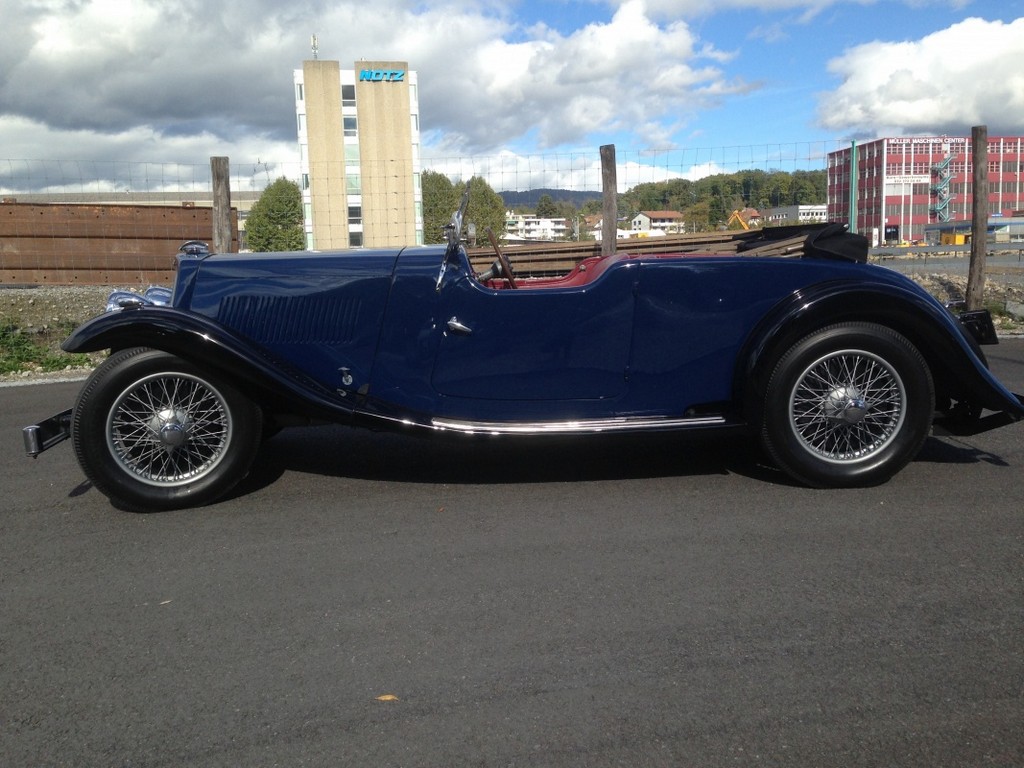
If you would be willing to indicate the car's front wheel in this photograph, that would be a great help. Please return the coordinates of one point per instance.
(849, 405)
(154, 432)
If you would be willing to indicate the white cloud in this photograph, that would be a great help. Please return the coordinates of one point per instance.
(697, 8)
(968, 74)
(508, 170)
(31, 139)
(806, 10)
(138, 74)
(178, 81)
(566, 89)
(134, 160)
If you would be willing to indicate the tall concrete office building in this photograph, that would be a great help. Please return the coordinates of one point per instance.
(359, 142)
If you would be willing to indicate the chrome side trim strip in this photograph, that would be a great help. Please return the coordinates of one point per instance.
(584, 426)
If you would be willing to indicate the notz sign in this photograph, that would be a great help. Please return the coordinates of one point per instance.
(382, 75)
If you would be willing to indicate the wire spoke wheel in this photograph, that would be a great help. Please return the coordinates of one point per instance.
(153, 431)
(847, 405)
(169, 429)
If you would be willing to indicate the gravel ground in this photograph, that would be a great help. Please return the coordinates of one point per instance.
(45, 306)
(50, 312)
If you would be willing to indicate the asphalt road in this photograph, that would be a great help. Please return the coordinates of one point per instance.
(371, 600)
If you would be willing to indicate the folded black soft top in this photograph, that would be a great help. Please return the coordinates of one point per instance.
(821, 241)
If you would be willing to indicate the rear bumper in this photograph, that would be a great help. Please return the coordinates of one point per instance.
(963, 424)
(47, 433)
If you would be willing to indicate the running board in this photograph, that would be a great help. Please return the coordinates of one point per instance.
(583, 426)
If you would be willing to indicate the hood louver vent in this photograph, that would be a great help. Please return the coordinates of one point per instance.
(328, 320)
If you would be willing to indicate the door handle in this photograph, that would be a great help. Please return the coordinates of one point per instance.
(456, 327)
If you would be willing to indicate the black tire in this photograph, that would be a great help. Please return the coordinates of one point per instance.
(155, 432)
(849, 405)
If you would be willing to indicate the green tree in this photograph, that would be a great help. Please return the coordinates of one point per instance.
(566, 210)
(698, 217)
(649, 196)
(440, 199)
(275, 220)
(721, 194)
(809, 187)
(546, 208)
(485, 209)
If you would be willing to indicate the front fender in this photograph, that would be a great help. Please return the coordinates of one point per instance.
(273, 383)
(956, 365)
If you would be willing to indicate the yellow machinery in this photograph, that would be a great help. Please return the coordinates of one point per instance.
(738, 219)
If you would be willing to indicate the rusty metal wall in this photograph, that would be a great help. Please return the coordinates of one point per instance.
(98, 244)
(63, 244)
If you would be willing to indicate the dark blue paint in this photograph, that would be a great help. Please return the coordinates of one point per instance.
(366, 333)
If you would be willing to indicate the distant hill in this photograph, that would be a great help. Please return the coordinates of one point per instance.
(530, 197)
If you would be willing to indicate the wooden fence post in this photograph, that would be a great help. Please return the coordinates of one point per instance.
(610, 210)
(221, 204)
(979, 218)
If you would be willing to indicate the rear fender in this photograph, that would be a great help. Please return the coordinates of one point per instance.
(955, 360)
(275, 384)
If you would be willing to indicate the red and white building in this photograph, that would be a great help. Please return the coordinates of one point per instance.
(906, 184)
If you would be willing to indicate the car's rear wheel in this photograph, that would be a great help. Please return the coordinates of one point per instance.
(154, 432)
(849, 405)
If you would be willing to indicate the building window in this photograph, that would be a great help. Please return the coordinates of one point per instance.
(355, 214)
(353, 185)
(299, 93)
(351, 154)
(355, 239)
(348, 95)
(305, 181)
(350, 125)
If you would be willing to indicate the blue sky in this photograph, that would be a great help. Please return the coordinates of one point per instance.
(177, 81)
(782, 50)
(791, 59)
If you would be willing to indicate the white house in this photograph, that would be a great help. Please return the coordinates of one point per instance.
(796, 214)
(666, 222)
(527, 227)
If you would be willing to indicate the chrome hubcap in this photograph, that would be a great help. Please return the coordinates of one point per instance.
(169, 427)
(845, 405)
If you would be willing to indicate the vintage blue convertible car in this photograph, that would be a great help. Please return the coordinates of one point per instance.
(837, 366)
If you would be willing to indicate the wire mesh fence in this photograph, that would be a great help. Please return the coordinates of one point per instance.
(574, 171)
(121, 220)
